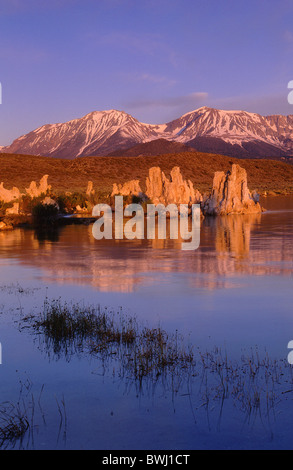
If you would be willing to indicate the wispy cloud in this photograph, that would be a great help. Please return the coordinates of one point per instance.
(192, 100)
(264, 105)
(165, 109)
(156, 79)
(149, 44)
(146, 77)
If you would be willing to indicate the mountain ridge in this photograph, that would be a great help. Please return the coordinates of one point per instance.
(100, 133)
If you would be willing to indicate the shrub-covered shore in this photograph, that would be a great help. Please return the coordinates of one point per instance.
(73, 175)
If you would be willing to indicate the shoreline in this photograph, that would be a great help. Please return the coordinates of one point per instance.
(85, 218)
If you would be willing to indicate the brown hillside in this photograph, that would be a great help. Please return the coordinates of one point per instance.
(73, 175)
(154, 147)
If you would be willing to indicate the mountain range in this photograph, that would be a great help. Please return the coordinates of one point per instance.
(101, 133)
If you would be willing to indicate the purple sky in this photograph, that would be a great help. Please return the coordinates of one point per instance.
(155, 59)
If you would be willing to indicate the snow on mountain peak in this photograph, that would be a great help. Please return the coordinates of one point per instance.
(102, 132)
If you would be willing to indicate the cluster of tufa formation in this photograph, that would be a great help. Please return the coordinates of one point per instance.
(14, 196)
(230, 193)
(174, 191)
(160, 189)
(7, 195)
(131, 188)
(90, 191)
(33, 190)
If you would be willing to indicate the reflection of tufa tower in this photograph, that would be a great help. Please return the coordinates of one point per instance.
(233, 233)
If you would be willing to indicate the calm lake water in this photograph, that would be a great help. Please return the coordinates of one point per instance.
(234, 292)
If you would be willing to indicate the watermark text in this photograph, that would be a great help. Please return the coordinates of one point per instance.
(184, 222)
(290, 355)
(290, 96)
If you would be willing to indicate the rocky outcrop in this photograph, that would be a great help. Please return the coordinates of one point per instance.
(81, 210)
(4, 226)
(7, 195)
(14, 210)
(230, 194)
(90, 191)
(50, 202)
(159, 189)
(35, 191)
(154, 184)
(130, 188)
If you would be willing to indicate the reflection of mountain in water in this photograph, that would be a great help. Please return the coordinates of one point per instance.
(234, 245)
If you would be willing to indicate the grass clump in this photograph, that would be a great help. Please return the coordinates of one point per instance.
(13, 423)
(61, 322)
(69, 202)
(71, 327)
(156, 353)
(141, 352)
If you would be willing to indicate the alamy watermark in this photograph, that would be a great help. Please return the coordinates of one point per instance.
(140, 223)
(290, 96)
(290, 355)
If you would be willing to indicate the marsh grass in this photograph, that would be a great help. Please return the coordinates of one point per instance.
(71, 327)
(156, 354)
(20, 420)
(17, 419)
(14, 423)
(141, 352)
(149, 357)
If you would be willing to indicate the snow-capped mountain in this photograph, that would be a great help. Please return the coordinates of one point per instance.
(97, 133)
(236, 133)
